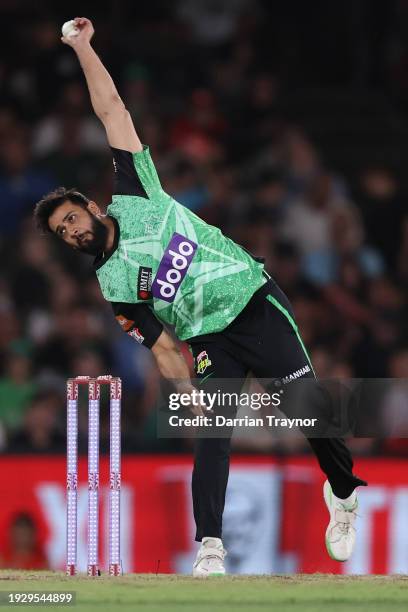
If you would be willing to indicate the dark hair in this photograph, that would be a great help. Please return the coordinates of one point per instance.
(50, 202)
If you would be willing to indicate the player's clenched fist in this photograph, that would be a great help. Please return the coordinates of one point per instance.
(78, 32)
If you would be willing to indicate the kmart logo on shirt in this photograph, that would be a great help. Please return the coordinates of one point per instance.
(173, 267)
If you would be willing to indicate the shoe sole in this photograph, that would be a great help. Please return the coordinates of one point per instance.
(208, 575)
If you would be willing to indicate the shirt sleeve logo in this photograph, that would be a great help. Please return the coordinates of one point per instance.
(126, 324)
(144, 283)
(136, 335)
(173, 267)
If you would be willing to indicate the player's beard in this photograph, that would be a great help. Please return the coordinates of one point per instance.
(95, 240)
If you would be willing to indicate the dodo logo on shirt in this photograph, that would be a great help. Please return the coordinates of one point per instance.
(173, 267)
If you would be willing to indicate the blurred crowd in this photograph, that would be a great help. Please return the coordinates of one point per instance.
(233, 100)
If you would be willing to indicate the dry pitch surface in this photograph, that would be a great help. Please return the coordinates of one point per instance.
(171, 593)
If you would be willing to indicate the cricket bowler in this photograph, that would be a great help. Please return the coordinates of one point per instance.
(159, 264)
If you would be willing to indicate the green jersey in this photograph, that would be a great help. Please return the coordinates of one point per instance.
(191, 275)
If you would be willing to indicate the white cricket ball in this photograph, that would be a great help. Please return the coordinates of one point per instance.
(69, 29)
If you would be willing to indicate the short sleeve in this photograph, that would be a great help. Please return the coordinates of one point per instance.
(138, 321)
(135, 174)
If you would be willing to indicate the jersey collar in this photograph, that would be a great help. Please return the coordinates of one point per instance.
(102, 258)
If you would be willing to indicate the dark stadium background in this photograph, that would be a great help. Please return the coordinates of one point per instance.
(284, 123)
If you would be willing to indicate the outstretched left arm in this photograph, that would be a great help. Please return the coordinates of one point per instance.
(106, 102)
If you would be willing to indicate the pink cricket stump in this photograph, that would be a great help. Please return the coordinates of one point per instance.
(114, 478)
(115, 386)
(93, 477)
(72, 476)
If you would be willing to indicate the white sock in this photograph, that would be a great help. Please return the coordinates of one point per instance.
(347, 501)
(217, 542)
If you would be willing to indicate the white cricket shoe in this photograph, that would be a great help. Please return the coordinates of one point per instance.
(340, 533)
(210, 559)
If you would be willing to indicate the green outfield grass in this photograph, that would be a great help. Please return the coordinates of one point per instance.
(164, 593)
